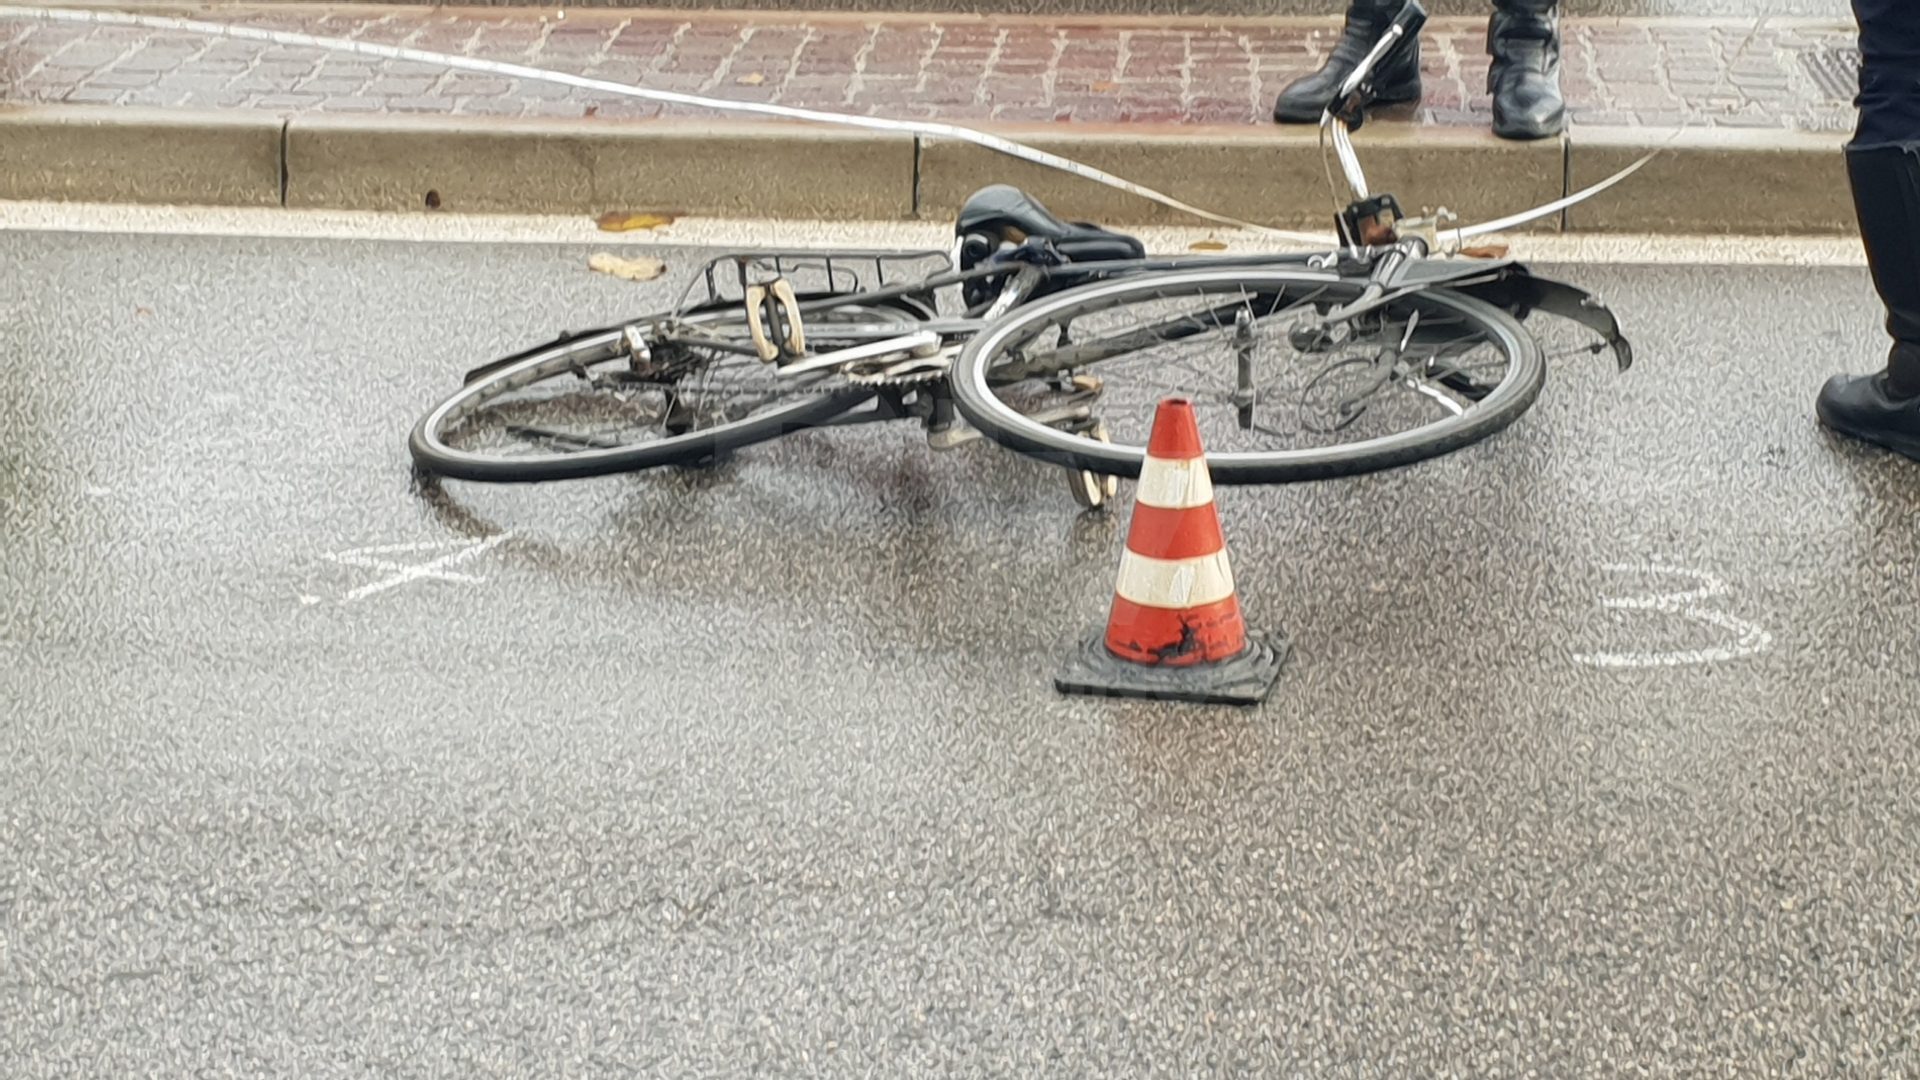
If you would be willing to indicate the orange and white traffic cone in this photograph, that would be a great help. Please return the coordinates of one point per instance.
(1175, 631)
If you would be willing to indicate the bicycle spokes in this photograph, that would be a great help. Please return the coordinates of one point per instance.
(1264, 370)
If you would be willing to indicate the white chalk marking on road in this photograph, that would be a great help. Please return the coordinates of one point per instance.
(403, 573)
(1750, 638)
(421, 545)
(1710, 586)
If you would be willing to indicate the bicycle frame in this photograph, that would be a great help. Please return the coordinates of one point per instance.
(881, 310)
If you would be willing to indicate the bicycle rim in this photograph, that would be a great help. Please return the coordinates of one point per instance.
(1319, 409)
(586, 407)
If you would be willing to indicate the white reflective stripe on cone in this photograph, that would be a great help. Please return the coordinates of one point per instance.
(1174, 485)
(1174, 583)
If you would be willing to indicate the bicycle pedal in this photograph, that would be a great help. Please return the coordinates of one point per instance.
(1093, 491)
(1090, 489)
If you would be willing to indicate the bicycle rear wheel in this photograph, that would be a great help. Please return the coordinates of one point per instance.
(589, 406)
(1278, 399)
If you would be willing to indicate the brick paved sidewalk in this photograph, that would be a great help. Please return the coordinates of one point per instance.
(1795, 75)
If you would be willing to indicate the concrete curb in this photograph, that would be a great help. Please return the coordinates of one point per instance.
(1705, 182)
(1713, 180)
(133, 155)
(726, 169)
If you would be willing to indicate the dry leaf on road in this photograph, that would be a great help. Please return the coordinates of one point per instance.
(628, 222)
(640, 269)
(1207, 245)
(753, 79)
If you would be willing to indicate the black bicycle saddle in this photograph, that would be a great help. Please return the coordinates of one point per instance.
(1003, 214)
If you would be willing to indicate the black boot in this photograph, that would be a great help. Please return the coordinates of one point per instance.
(1524, 40)
(1884, 408)
(1397, 82)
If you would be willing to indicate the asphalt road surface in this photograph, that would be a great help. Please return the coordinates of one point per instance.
(306, 770)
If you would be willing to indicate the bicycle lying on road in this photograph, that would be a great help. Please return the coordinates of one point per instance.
(1054, 339)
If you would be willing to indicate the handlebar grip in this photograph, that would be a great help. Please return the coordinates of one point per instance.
(1412, 17)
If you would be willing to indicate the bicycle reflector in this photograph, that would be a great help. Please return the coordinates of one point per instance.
(1373, 222)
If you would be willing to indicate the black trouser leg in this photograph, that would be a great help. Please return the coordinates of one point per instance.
(1889, 98)
(1883, 168)
(1524, 40)
(1881, 165)
(1886, 199)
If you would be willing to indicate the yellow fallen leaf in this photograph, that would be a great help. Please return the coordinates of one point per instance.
(624, 222)
(1207, 245)
(641, 269)
(1103, 87)
(752, 79)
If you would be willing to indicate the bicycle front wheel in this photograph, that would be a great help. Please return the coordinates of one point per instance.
(1280, 399)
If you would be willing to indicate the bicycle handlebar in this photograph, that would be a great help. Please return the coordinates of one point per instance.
(1347, 111)
(1350, 103)
(1387, 271)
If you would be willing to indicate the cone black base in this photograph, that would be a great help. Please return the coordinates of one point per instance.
(1242, 680)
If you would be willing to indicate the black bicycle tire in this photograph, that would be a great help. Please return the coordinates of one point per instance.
(998, 422)
(811, 411)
